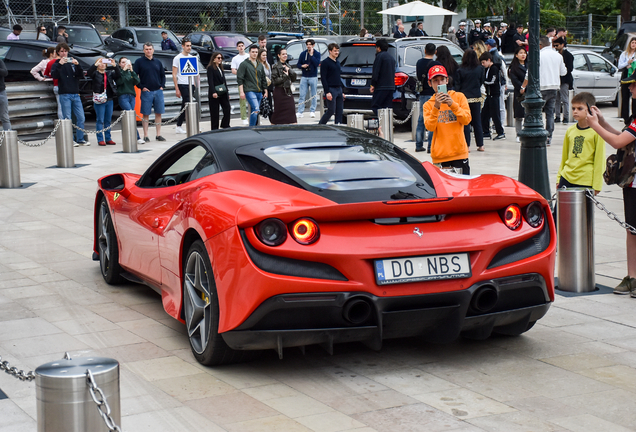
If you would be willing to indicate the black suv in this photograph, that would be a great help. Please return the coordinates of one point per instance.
(82, 34)
(134, 38)
(357, 57)
(614, 50)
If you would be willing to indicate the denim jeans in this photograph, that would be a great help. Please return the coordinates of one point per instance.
(254, 99)
(549, 96)
(563, 102)
(103, 114)
(127, 103)
(4, 110)
(419, 133)
(72, 105)
(312, 85)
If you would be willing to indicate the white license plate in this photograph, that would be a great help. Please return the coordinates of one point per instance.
(358, 82)
(422, 268)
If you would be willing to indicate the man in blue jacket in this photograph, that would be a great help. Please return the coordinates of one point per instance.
(167, 44)
(383, 78)
(308, 63)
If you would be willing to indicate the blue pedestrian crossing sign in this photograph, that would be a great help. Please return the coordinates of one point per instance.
(189, 66)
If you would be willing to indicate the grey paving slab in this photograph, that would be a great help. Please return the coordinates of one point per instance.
(574, 371)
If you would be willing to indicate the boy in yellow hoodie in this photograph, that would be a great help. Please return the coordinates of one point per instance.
(446, 114)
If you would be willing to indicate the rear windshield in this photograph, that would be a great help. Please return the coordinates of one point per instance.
(230, 41)
(342, 167)
(84, 36)
(154, 36)
(359, 55)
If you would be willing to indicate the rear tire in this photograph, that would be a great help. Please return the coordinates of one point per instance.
(201, 310)
(108, 246)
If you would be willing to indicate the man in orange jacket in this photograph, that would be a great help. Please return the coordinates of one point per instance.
(446, 114)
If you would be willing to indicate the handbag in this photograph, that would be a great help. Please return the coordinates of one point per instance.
(265, 109)
(620, 168)
(101, 98)
(220, 89)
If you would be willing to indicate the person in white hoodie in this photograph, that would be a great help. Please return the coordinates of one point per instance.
(551, 69)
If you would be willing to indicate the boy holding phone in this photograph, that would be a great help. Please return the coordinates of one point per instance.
(493, 91)
(583, 157)
(445, 114)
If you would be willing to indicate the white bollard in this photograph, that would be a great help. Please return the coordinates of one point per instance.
(10, 161)
(64, 144)
(385, 120)
(129, 132)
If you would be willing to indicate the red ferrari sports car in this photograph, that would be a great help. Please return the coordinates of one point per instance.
(289, 236)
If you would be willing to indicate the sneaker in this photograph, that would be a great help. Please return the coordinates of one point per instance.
(300, 115)
(141, 141)
(160, 138)
(75, 144)
(146, 139)
(419, 149)
(518, 140)
(487, 136)
(180, 130)
(246, 122)
(548, 141)
(565, 121)
(101, 143)
(312, 114)
(83, 143)
(626, 286)
(499, 137)
(111, 142)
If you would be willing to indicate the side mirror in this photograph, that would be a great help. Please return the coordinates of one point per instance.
(613, 71)
(113, 182)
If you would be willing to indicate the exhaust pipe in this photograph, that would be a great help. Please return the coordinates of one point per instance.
(356, 311)
(484, 299)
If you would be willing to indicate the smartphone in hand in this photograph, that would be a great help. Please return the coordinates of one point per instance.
(442, 88)
(589, 110)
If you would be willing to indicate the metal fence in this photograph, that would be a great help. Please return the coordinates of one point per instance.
(345, 16)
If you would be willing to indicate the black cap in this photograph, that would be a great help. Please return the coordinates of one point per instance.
(163, 31)
(630, 79)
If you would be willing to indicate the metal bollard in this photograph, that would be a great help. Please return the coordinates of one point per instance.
(570, 96)
(415, 109)
(129, 132)
(385, 119)
(510, 111)
(64, 402)
(575, 235)
(64, 144)
(192, 118)
(355, 121)
(10, 161)
(321, 103)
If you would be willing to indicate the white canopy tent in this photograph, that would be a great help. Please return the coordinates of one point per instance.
(416, 8)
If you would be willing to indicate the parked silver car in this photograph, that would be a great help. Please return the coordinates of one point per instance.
(593, 73)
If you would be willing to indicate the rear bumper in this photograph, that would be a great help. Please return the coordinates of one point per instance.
(290, 320)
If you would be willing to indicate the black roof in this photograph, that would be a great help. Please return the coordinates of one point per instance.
(75, 49)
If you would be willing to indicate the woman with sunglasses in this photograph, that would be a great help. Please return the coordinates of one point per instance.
(217, 91)
(41, 35)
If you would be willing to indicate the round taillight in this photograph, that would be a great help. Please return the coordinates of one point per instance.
(271, 232)
(512, 216)
(534, 214)
(305, 231)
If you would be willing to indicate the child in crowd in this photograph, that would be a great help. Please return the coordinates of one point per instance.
(583, 158)
(493, 91)
(446, 114)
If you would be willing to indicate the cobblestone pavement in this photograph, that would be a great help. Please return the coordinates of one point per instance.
(574, 371)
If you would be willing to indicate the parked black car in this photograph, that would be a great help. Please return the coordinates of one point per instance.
(79, 34)
(134, 38)
(614, 50)
(276, 41)
(357, 57)
(207, 42)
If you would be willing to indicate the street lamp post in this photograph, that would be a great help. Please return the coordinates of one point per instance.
(533, 161)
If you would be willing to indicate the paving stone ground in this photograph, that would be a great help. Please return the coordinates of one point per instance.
(574, 371)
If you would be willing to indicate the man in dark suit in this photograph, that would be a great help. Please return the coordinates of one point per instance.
(418, 30)
(400, 33)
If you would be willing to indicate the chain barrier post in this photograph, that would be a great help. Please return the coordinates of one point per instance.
(415, 109)
(129, 132)
(510, 110)
(10, 161)
(385, 120)
(355, 121)
(575, 236)
(192, 118)
(321, 103)
(66, 401)
(64, 144)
